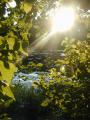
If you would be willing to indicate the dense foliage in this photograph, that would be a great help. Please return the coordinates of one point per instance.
(68, 89)
(70, 84)
(13, 41)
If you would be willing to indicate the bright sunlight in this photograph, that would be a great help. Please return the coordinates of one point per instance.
(63, 19)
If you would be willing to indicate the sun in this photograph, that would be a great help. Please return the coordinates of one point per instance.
(62, 19)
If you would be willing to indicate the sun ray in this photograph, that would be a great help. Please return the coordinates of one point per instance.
(40, 42)
(62, 19)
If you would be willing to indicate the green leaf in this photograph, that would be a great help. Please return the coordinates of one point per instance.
(8, 92)
(7, 74)
(24, 45)
(45, 103)
(16, 46)
(6, 64)
(27, 6)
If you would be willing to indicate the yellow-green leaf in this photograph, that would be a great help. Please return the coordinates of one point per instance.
(7, 91)
(7, 74)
